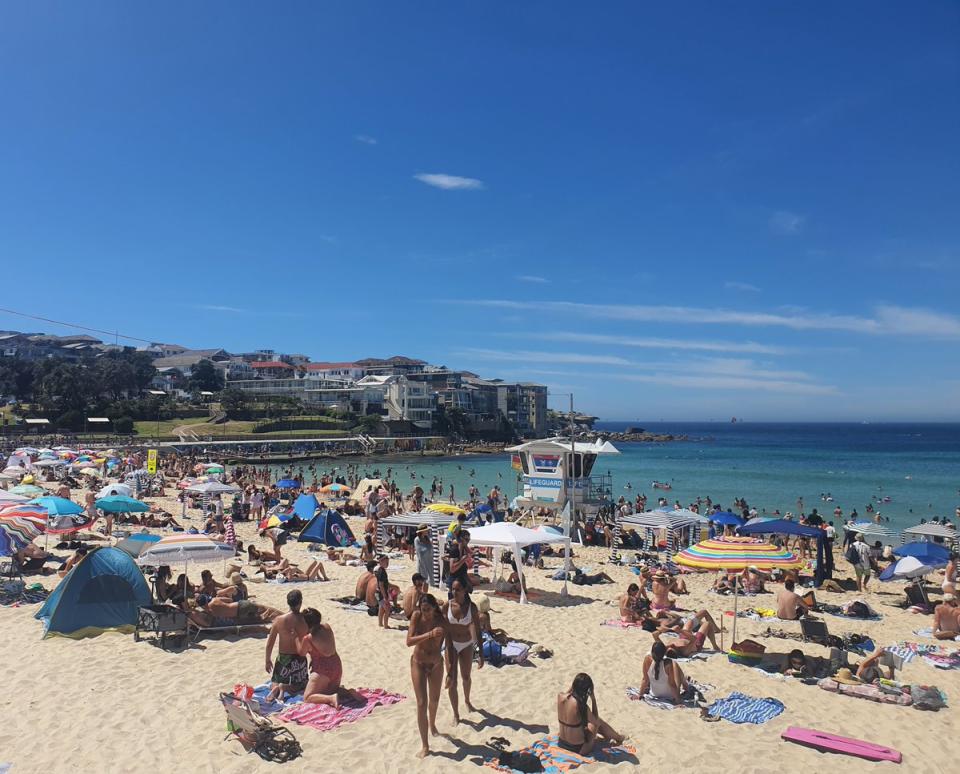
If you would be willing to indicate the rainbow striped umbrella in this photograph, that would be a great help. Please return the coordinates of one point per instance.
(17, 532)
(737, 553)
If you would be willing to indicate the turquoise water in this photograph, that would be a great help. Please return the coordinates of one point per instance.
(771, 465)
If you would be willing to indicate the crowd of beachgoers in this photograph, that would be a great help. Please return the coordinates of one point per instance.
(268, 581)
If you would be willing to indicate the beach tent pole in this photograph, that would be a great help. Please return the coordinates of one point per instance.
(518, 563)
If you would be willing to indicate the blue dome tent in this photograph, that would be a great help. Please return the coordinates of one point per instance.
(328, 527)
(101, 593)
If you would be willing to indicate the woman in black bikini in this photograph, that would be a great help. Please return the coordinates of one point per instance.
(426, 634)
(580, 724)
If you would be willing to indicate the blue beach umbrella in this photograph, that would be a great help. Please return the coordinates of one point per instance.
(929, 553)
(726, 519)
(288, 483)
(58, 506)
(121, 504)
(908, 567)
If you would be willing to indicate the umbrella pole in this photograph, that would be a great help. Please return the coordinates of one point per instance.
(736, 586)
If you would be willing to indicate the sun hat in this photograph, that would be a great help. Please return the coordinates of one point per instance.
(660, 574)
(845, 676)
(423, 528)
(236, 578)
(483, 603)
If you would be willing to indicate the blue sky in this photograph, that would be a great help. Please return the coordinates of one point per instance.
(678, 212)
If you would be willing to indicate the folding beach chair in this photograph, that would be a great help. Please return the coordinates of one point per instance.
(813, 630)
(917, 595)
(256, 733)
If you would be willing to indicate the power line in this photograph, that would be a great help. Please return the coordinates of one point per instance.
(115, 334)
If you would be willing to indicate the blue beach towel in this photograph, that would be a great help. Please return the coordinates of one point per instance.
(740, 708)
(268, 708)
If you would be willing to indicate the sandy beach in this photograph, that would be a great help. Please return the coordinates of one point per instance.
(112, 705)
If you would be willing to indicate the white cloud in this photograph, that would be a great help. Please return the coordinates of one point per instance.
(747, 347)
(744, 286)
(366, 139)
(526, 356)
(888, 319)
(450, 182)
(697, 373)
(533, 278)
(219, 308)
(787, 223)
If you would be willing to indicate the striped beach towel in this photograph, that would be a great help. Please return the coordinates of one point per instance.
(740, 708)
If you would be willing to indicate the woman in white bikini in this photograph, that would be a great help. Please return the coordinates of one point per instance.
(662, 677)
(463, 634)
(426, 635)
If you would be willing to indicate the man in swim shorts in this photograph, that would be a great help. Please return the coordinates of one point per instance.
(289, 673)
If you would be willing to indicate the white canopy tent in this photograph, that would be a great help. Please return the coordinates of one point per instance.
(505, 534)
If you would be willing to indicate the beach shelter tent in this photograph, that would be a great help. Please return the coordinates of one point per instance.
(786, 527)
(112, 490)
(101, 593)
(327, 527)
(870, 529)
(505, 534)
(363, 489)
(672, 522)
(437, 524)
(306, 506)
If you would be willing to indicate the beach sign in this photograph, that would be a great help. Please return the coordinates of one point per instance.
(152, 461)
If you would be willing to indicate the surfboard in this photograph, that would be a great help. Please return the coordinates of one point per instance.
(821, 740)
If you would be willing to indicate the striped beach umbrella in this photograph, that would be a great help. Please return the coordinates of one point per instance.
(737, 553)
(335, 488)
(183, 547)
(18, 531)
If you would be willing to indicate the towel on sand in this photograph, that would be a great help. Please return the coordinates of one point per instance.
(325, 718)
(556, 760)
(690, 702)
(740, 708)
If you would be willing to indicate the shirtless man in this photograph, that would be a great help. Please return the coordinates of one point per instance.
(790, 605)
(630, 605)
(946, 619)
(360, 592)
(289, 673)
(411, 597)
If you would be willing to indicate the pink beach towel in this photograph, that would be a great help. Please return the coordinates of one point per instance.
(325, 718)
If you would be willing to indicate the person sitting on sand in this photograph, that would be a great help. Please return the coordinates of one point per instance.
(365, 579)
(662, 677)
(483, 609)
(288, 674)
(512, 584)
(753, 581)
(579, 718)
(411, 597)
(163, 583)
(208, 585)
(633, 605)
(73, 561)
(869, 670)
(946, 619)
(790, 605)
(427, 632)
(326, 669)
(660, 591)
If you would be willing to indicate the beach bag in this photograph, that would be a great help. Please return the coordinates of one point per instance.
(852, 555)
(858, 610)
(493, 653)
(520, 761)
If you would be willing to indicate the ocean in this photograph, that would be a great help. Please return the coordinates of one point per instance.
(772, 465)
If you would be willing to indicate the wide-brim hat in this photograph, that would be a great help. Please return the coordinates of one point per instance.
(845, 676)
(660, 575)
(423, 528)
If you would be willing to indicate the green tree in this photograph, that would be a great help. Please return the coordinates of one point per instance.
(205, 377)
(234, 402)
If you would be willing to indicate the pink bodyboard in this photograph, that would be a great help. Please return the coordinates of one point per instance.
(821, 740)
